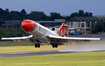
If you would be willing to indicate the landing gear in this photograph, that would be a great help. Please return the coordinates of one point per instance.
(37, 45)
(54, 45)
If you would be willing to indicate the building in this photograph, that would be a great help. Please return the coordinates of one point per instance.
(54, 23)
(17, 23)
(10, 24)
(85, 23)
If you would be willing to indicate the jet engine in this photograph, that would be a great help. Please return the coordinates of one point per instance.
(53, 29)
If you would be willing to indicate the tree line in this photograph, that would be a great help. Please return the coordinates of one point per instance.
(99, 27)
(12, 32)
(39, 15)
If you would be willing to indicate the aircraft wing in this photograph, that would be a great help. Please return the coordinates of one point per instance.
(59, 38)
(17, 38)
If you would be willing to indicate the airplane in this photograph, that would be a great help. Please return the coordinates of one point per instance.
(40, 34)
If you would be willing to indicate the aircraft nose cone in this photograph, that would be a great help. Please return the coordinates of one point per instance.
(28, 25)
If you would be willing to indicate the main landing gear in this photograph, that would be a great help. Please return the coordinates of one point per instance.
(54, 45)
(37, 45)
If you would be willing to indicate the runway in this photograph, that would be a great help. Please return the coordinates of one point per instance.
(32, 53)
(36, 53)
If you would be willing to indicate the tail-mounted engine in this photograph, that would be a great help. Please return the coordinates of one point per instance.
(53, 29)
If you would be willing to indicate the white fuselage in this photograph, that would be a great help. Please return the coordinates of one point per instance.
(40, 31)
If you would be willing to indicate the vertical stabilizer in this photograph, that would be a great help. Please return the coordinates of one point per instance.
(62, 30)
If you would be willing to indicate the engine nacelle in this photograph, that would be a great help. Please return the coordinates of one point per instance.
(53, 29)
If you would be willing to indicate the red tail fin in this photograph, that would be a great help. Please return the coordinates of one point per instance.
(62, 29)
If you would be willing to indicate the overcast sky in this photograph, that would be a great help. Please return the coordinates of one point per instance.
(64, 7)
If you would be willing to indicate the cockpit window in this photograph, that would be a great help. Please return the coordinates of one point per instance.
(27, 21)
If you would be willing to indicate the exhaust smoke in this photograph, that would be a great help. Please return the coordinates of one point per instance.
(82, 46)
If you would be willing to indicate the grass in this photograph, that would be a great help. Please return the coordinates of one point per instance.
(12, 43)
(73, 59)
(26, 48)
(6, 47)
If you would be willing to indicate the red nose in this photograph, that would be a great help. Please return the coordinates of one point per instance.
(28, 25)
